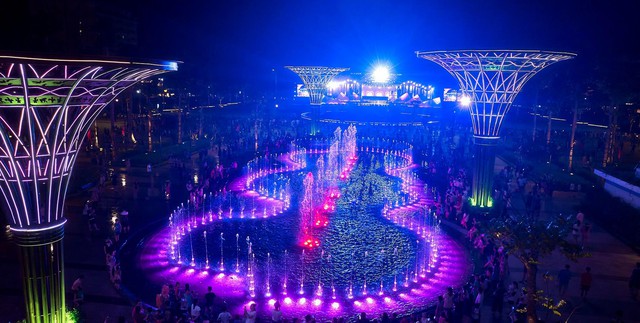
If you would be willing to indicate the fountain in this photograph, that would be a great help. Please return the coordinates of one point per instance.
(352, 237)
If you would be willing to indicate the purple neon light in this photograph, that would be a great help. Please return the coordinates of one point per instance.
(450, 268)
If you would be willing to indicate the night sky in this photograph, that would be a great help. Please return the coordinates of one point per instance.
(242, 41)
(258, 35)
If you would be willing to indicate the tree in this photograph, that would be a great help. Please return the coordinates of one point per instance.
(619, 85)
(529, 241)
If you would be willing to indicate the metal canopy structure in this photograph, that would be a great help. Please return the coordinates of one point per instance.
(491, 80)
(316, 78)
(46, 108)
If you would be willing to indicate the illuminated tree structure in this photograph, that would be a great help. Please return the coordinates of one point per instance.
(316, 78)
(490, 80)
(46, 108)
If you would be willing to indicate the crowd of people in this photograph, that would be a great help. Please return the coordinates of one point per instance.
(446, 171)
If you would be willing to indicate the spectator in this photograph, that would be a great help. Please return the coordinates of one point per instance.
(563, 280)
(209, 298)
(162, 299)
(575, 232)
(497, 303)
(117, 277)
(124, 218)
(194, 311)
(250, 315)
(108, 247)
(139, 315)
(224, 316)
(117, 230)
(77, 284)
(362, 318)
(276, 314)
(585, 282)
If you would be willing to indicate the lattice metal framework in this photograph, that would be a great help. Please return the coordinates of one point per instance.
(316, 78)
(492, 79)
(46, 108)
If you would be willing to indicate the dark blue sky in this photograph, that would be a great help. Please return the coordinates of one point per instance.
(240, 38)
(240, 41)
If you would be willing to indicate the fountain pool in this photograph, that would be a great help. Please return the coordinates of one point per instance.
(330, 231)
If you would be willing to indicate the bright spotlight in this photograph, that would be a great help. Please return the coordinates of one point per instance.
(465, 101)
(381, 74)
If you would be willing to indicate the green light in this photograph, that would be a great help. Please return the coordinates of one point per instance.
(12, 100)
(72, 315)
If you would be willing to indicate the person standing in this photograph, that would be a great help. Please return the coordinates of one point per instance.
(138, 315)
(447, 303)
(575, 232)
(224, 316)
(276, 313)
(497, 303)
(194, 311)
(162, 299)
(563, 280)
(362, 318)
(634, 282)
(209, 298)
(117, 229)
(250, 315)
(77, 284)
(580, 217)
(187, 298)
(124, 220)
(585, 282)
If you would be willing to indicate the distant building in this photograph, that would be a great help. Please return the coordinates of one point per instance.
(361, 90)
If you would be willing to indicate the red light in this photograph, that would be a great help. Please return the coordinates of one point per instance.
(310, 242)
